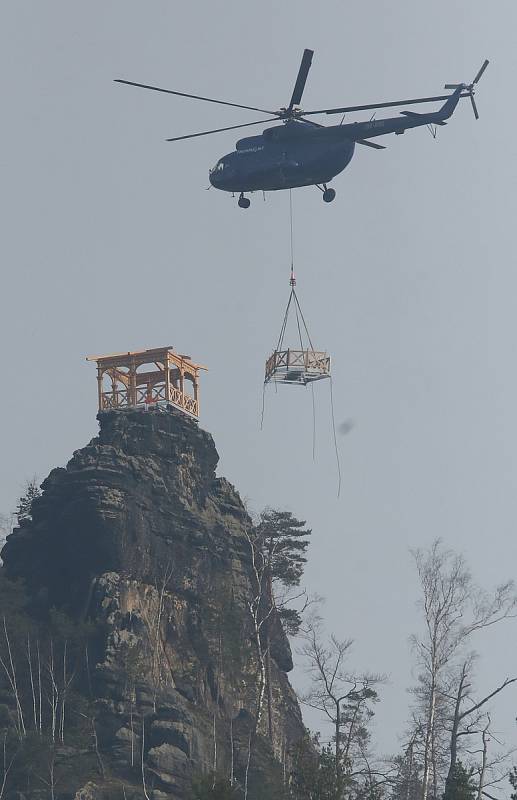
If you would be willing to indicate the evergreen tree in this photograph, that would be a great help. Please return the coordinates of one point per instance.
(355, 717)
(314, 775)
(282, 540)
(24, 507)
(208, 788)
(461, 787)
(513, 781)
(408, 784)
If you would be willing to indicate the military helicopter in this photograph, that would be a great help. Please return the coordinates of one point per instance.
(301, 152)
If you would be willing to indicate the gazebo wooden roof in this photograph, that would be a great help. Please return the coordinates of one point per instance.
(141, 378)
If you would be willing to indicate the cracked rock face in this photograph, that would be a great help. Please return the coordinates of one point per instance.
(138, 534)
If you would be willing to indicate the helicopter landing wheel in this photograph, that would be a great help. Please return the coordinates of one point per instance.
(244, 202)
(329, 195)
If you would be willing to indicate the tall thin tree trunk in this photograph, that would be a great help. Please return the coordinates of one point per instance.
(428, 738)
(63, 698)
(33, 689)
(40, 690)
(246, 775)
(97, 751)
(6, 766)
(142, 760)
(131, 725)
(453, 745)
(214, 759)
(14, 684)
(434, 766)
(337, 734)
(482, 771)
(269, 686)
(410, 769)
(232, 757)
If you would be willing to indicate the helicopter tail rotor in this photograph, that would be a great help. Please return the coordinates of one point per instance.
(470, 88)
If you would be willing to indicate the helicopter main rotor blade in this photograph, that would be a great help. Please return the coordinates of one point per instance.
(486, 62)
(193, 96)
(392, 104)
(218, 130)
(301, 79)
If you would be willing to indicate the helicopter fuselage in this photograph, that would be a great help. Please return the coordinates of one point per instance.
(285, 156)
(297, 153)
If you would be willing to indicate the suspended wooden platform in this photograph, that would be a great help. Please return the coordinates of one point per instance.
(143, 378)
(297, 366)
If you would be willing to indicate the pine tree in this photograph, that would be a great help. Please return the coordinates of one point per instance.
(461, 786)
(408, 785)
(513, 781)
(282, 541)
(24, 507)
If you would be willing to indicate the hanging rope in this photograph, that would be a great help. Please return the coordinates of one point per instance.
(335, 438)
(292, 295)
(291, 229)
(284, 323)
(303, 320)
(263, 405)
(298, 324)
(313, 424)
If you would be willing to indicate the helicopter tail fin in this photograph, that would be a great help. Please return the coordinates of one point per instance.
(448, 108)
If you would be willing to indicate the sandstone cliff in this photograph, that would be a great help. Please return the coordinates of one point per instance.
(139, 535)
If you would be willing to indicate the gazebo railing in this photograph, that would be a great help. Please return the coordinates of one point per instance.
(115, 399)
(158, 394)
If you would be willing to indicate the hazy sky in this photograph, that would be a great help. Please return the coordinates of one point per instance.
(110, 242)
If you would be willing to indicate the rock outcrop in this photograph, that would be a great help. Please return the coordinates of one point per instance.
(139, 535)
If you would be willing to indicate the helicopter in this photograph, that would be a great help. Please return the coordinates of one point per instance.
(302, 152)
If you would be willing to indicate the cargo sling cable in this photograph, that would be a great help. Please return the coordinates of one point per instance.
(303, 366)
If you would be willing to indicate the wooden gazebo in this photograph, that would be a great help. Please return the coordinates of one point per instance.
(143, 378)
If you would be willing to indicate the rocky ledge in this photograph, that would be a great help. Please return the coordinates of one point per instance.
(139, 536)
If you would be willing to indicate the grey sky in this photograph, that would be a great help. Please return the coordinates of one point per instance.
(110, 242)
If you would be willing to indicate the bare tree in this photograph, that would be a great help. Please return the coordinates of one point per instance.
(51, 780)
(492, 770)
(7, 764)
(9, 667)
(344, 697)
(260, 610)
(453, 609)
(484, 758)
(280, 542)
(467, 720)
(142, 761)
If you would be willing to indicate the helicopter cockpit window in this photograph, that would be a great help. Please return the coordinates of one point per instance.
(218, 167)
